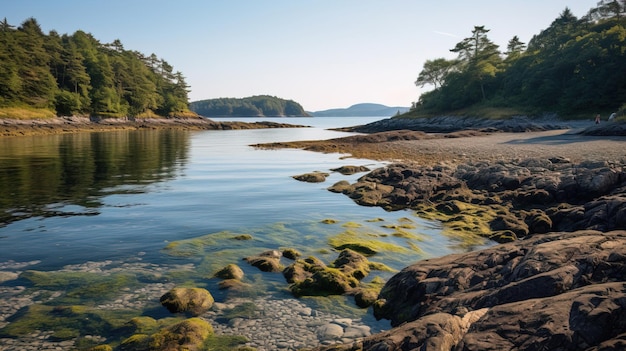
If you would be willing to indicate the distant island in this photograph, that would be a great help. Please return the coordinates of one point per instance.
(362, 110)
(254, 106)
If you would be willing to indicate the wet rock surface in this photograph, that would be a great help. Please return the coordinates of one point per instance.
(562, 291)
(514, 199)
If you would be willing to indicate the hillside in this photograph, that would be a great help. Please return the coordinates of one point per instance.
(362, 110)
(254, 106)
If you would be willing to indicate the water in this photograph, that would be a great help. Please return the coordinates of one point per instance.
(81, 199)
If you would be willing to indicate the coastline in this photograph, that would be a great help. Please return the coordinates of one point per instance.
(461, 301)
(554, 198)
(60, 125)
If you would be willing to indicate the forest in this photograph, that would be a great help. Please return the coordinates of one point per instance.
(254, 106)
(77, 75)
(574, 67)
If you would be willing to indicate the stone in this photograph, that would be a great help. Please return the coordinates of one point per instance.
(193, 300)
(349, 170)
(313, 177)
(189, 334)
(330, 331)
(231, 271)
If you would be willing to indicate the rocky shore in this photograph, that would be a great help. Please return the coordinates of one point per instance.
(58, 125)
(556, 200)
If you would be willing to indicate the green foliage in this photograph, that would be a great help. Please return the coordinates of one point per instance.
(574, 67)
(76, 74)
(262, 105)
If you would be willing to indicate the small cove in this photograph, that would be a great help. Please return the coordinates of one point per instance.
(112, 202)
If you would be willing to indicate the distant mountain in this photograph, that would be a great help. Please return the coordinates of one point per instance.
(254, 106)
(361, 110)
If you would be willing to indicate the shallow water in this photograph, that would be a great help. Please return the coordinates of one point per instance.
(111, 199)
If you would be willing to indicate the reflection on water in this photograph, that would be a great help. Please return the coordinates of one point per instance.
(45, 176)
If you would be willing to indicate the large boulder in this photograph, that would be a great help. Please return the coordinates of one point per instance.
(193, 300)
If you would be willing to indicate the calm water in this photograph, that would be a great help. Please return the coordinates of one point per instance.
(91, 197)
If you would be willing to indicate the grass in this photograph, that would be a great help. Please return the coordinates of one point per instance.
(23, 113)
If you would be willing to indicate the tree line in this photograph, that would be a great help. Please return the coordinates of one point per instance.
(254, 106)
(574, 66)
(77, 75)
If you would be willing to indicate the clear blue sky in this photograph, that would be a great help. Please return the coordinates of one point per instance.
(322, 54)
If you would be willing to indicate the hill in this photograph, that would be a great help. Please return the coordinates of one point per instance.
(254, 106)
(362, 110)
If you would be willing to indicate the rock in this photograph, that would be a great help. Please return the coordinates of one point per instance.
(349, 170)
(311, 277)
(268, 261)
(330, 331)
(550, 291)
(504, 200)
(231, 271)
(449, 124)
(291, 254)
(193, 300)
(352, 264)
(313, 177)
(189, 334)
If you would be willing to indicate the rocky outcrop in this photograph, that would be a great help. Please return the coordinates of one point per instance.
(505, 200)
(562, 291)
(447, 124)
(193, 300)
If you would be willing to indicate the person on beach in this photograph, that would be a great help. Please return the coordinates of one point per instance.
(598, 118)
(612, 116)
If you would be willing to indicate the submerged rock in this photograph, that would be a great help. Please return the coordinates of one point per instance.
(193, 300)
(189, 334)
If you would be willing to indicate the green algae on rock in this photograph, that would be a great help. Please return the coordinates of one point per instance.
(363, 243)
(189, 334)
(193, 300)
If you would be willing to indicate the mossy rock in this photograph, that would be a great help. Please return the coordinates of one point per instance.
(231, 271)
(193, 300)
(189, 334)
(243, 237)
(265, 263)
(291, 253)
(329, 221)
(330, 281)
(352, 264)
(363, 243)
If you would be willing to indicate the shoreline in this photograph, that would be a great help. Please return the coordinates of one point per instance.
(62, 125)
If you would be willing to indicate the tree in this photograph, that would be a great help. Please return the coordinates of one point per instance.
(609, 9)
(479, 57)
(435, 72)
(515, 47)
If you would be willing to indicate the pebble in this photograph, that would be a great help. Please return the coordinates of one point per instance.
(275, 324)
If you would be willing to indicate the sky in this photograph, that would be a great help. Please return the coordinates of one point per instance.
(322, 54)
